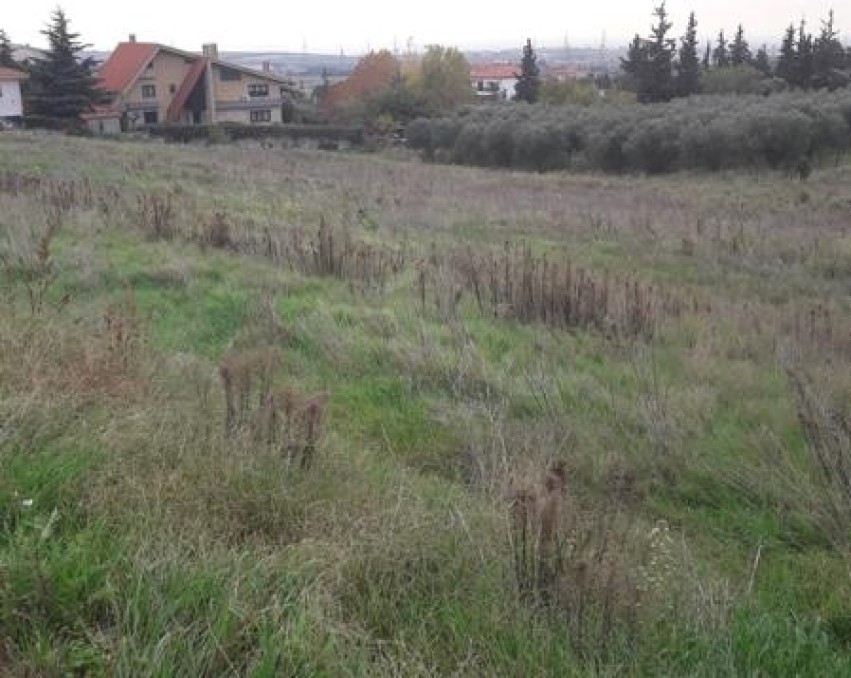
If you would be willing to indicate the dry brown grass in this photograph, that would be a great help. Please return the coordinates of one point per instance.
(583, 565)
(281, 418)
(87, 362)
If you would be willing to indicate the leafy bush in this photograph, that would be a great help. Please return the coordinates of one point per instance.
(735, 80)
(706, 132)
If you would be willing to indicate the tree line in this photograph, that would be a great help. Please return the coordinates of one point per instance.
(659, 67)
(791, 130)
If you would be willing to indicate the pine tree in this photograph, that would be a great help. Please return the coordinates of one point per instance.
(7, 58)
(761, 62)
(829, 58)
(529, 80)
(787, 64)
(661, 52)
(62, 85)
(650, 62)
(707, 56)
(688, 67)
(740, 53)
(804, 49)
(720, 55)
(635, 64)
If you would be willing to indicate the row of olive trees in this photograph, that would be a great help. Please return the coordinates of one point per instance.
(709, 133)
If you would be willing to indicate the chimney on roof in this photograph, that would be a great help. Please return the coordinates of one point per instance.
(210, 50)
(132, 37)
(267, 66)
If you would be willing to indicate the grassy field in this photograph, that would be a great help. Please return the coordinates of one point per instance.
(285, 413)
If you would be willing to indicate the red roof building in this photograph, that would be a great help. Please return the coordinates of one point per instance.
(494, 81)
(151, 83)
(125, 64)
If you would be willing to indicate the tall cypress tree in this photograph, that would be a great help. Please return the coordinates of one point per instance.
(650, 62)
(529, 79)
(661, 50)
(62, 84)
(804, 49)
(761, 62)
(7, 58)
(829, 58)
(740, 52)
(720, 55)
(688, 67)
(787, 64)
(635, 64)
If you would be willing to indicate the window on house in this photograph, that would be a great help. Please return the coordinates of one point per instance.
(151, 118)
(172, 88)
(258, 90)
(149, 91)
(261, 116)
(481, 85)
(229, 74)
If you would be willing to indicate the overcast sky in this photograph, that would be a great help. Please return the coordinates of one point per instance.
(355, 27)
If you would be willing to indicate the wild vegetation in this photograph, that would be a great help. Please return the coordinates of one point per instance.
(276, 412)
(791, 131)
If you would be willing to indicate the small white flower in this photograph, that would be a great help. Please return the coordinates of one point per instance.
(26, 503)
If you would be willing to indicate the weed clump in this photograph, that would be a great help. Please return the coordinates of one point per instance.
(155, 215)
(283, 418)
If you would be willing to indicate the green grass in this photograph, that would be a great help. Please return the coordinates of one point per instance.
(138, 538)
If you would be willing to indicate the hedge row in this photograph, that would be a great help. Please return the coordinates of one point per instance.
(235, 132)
(708, 132)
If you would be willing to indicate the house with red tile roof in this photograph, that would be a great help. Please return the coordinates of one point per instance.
(152, 84)
(562, 73)
(11, 106)
(493, 81)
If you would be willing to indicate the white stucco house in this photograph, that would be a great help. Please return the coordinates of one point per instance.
(493, 81)
(11, 105)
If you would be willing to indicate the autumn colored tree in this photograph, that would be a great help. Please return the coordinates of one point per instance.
(372, 77)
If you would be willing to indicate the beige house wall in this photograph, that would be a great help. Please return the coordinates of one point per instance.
(168, 69)
(237, 90)
(244, 116)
